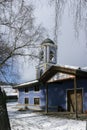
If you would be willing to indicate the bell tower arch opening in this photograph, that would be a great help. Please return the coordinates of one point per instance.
(47, 56)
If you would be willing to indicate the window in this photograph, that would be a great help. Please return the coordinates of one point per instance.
(36, 88)
(26, 100)
(26, 90)
(36, 101)
(51, 55)
(41, 72)
(41, 56)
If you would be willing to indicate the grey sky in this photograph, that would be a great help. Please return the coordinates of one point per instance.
(71, 51)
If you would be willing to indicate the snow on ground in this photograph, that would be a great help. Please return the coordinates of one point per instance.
(36, 121)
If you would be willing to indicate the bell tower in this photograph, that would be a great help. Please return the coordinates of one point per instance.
(47, 56)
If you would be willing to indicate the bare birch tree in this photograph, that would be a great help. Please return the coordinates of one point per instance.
(18, 32)
(78, 11)
(59, 6)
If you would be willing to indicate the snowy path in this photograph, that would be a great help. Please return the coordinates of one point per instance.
(37, 121)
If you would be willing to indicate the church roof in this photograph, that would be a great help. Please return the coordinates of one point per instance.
(47, 41)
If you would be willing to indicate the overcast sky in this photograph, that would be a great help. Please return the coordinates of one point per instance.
(71, 51)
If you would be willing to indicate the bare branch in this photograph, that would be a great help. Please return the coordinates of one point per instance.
(17, 28)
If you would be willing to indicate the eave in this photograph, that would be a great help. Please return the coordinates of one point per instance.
(28, 84)
(62, 69)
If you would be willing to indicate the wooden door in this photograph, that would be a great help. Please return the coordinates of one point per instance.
(71, 100)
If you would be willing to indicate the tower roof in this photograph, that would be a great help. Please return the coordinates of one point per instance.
(47, 41)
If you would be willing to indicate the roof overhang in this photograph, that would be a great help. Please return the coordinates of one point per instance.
(28, 84)
(52, 71)
(62, 69)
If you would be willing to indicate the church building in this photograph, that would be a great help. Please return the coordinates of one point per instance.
(56, 88)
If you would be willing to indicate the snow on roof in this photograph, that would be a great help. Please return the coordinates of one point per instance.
(69, 66)
(53, 70)
(73, 67)
(27, 83)
(8, 89)
(76, 67)
(84, 68)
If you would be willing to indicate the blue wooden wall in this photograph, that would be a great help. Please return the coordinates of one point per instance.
(57, 94)
(31, 95)
(82, 83)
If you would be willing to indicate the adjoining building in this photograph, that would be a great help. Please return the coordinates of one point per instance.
(11, 94)
(56, 88)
